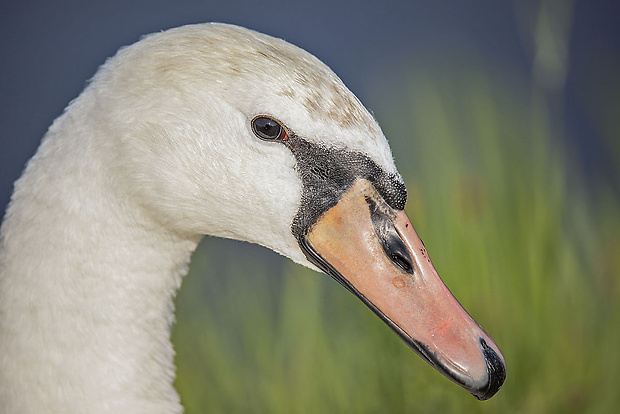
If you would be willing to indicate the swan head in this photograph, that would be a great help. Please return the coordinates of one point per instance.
(257, 140)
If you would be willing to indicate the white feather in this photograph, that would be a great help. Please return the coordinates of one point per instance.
(155, 153)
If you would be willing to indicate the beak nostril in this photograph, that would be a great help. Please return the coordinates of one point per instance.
(402, 262)
(391, 242)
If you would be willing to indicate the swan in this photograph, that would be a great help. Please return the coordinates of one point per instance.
(207, 129)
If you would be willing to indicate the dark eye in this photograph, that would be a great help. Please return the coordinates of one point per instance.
(268, 129)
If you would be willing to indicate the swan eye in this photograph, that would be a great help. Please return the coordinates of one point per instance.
(268, 129)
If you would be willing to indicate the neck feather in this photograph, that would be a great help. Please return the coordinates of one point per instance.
(87, 283)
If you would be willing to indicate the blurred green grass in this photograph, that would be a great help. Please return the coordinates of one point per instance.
(526, 243)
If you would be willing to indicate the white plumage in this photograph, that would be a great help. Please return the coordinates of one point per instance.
(160, 149)
(156, 152)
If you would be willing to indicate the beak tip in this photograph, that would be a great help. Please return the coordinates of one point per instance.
(496, 371)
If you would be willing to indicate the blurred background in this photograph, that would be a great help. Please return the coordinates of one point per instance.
(504, 119)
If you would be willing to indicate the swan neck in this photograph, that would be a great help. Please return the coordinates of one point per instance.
(87, 282)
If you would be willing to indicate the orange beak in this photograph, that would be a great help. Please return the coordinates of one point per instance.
(374, 252)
